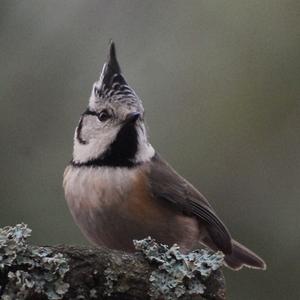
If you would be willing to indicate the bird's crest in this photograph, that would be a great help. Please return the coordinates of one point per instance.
(112, 85)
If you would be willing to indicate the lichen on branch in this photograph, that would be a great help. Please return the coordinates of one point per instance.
(178, 274)
(155, 271)
(28, 269)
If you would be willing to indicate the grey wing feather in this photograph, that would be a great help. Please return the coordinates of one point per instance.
(166, 184)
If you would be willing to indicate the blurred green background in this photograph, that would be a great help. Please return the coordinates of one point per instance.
(220, 84)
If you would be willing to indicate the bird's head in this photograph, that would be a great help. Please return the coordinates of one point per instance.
(111, 132)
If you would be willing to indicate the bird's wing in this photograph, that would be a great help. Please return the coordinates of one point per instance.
(167, 185)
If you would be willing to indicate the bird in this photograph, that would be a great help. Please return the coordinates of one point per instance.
(119, 188)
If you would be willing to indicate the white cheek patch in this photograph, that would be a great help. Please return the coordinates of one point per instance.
(95, 146)
(98, 138)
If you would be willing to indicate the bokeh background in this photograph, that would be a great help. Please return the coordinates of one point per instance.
(220, 84)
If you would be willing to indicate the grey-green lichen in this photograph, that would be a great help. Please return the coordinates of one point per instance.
(115, 273)
(178, 274)
(35, 269)
(111, 277)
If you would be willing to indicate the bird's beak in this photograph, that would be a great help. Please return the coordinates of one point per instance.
(132, 117)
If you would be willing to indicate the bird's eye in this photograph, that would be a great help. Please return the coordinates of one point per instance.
(103, 116)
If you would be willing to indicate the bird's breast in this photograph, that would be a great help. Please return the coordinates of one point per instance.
(97, 188)
(113, 206)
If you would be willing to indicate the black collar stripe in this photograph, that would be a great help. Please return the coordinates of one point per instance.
(121, 152)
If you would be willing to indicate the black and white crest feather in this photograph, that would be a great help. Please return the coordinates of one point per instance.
(112, 85)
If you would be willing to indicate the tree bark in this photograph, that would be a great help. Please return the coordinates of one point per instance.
(129, 276)
(154, 272)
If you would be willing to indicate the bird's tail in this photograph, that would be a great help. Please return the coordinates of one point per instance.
(242, 256)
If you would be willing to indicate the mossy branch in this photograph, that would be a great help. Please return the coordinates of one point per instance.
(68, 272)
